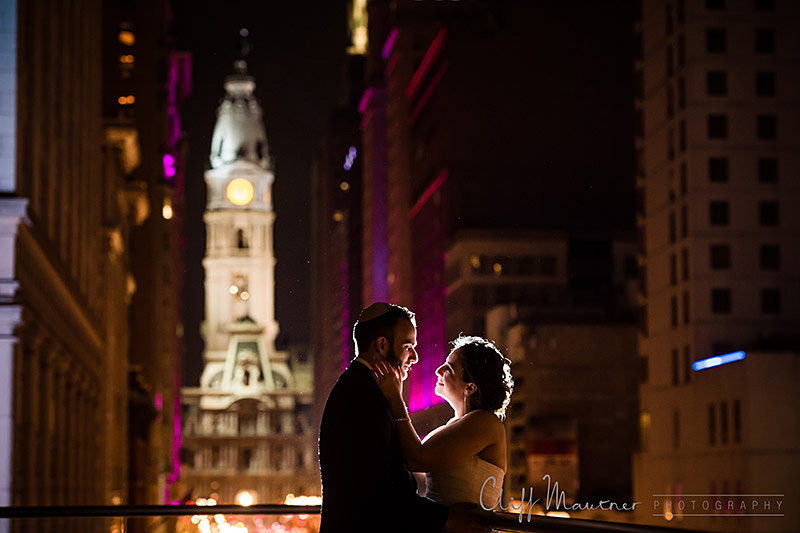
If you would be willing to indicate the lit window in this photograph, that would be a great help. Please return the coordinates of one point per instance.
(127, 38)
(344, 186)
(166, 209)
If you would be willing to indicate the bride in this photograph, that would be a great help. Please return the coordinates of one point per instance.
(460, 457)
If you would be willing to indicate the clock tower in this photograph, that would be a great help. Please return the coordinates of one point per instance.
(247, 431)
(239, 262)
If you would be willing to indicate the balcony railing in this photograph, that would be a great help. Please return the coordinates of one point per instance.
(504, 522)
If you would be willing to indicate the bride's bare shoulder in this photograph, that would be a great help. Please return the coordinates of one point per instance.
(483, 419)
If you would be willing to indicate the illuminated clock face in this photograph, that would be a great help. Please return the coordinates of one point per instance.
(240, 191)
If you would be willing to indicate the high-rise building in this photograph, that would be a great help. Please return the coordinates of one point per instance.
(718, 87)
(248, 426)
(69, 207)
(336, 219)
(144, 84)
(459, 133)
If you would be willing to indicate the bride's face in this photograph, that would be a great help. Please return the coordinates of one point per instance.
(449, 382)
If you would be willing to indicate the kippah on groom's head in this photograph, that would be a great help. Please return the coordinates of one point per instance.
(378, 320)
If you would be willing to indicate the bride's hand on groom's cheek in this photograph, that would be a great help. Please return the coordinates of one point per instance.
(387, 377)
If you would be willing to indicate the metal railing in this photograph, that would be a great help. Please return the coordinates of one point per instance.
(499, 521)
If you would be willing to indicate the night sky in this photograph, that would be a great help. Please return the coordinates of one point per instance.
(297, 58)
(582, 69)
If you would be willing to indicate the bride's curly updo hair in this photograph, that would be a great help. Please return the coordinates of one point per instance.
(489, 370)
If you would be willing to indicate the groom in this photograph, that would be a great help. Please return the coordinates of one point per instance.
(365, 483)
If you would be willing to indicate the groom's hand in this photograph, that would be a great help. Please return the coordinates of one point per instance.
(466, 517)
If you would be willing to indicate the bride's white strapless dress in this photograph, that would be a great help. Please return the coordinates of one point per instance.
(463, 483)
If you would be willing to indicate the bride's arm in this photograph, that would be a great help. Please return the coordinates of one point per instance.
(447, 446)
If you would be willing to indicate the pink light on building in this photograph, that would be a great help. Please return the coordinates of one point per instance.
(388, 45)
(428, 220)
(364, 102)
(426, 195)
(427, 62)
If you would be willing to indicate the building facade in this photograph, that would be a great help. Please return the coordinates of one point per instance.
(717, 173)
(248, 434)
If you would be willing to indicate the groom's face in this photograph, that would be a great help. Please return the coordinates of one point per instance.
(401, 352)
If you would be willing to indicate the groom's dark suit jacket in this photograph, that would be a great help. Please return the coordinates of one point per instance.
(365, 483)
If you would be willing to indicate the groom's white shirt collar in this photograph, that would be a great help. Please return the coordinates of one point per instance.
(363, 362)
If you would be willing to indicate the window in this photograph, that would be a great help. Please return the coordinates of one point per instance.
(719, 213)
(673, 270)
(765, 4)
(682, 141)
(715, 4)
(765, 83)
(686, 315)
(770, 257)
(681, 93)
(717, 126)
(717, 83)
(673, 307)
(685, 264)
(737, 422)
(675, 367)
(770, 301)
(720, 257)
(723, 422)
(720, 301)
(681, 50)
(668, 16)
(670, 102)
(687, 364)
(683, 178)
(712, 425)
(768, 214)
(670, 144)
(765, 41)
(767, 127)
(718, 169)
(767, 170)
(715, 40)
(684, 221)
(670, 68)
(672, 229)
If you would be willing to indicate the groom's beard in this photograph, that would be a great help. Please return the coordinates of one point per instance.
(395, 362)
